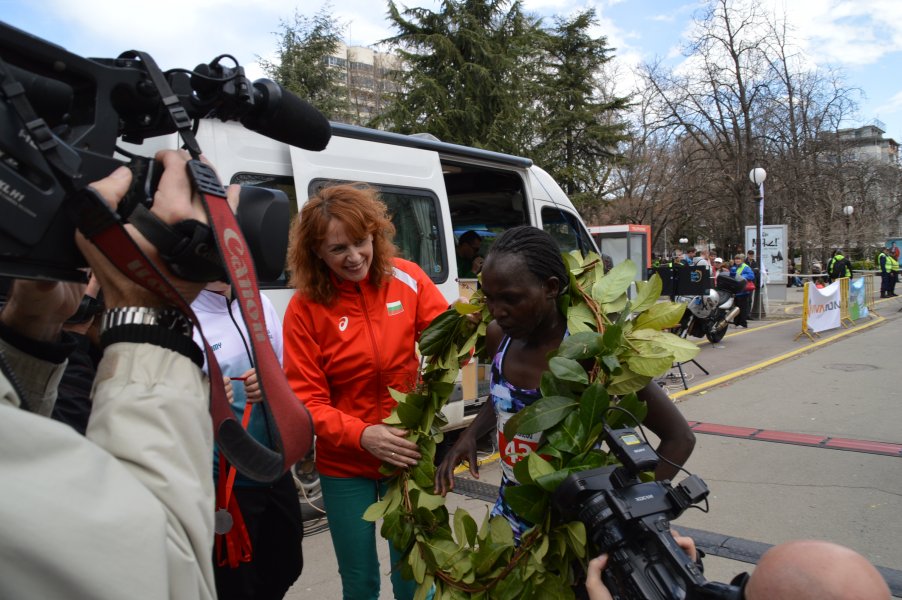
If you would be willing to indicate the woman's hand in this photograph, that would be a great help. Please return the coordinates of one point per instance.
(463, 449)
(229, 390)
(252, 386)
(389, 445)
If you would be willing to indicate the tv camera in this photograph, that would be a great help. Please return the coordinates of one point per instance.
(630, 520)
(60, 118)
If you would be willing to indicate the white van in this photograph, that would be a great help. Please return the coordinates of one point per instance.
(434, 190)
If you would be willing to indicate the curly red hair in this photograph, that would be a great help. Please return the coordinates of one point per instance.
(359, 208)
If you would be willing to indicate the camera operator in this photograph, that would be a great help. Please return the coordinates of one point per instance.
(126, 510)
(796, 570)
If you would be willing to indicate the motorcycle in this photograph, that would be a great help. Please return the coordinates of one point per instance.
(710, 315)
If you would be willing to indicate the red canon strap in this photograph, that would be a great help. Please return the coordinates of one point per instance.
(291, 425)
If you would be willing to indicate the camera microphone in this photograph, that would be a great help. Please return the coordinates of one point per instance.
(282, 116)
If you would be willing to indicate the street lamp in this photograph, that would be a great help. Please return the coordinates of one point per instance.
(757, 176)
(848, 210)
(684, 240)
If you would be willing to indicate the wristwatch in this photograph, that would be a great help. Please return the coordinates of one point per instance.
(167, 318)
(164, 327)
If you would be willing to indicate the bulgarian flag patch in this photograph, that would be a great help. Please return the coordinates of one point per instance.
(394, 308)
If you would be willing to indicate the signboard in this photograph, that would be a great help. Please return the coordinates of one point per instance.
(773, 250)
(858, 302)
(823, 307)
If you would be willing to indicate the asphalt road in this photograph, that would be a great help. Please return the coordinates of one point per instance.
(844, 386)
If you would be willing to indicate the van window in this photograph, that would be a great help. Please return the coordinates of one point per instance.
(415, 214)
(566, 230)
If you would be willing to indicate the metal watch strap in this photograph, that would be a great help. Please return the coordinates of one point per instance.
(167, 318)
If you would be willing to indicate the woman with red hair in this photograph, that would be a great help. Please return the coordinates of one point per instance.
(350, 334)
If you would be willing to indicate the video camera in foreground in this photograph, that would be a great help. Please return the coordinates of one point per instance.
(61, 116)
(630, 520)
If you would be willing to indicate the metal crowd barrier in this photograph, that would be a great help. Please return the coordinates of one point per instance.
(845, 318)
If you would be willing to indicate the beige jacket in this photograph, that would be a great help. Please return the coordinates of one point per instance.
(126, 512)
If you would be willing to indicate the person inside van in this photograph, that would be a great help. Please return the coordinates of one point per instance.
(469, 262)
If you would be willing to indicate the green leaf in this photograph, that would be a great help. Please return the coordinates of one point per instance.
(631, 404)
(552, 386)
(521, 469)
(611, 364)
(377, 510)
(615, 283)
(682, 350)
(662, 315)
(615, 306)
(542, 414)
(464, 527)
(647, 293)
(576, 537)
(468, 345)
(580, 319)
(423, 473)
(592, 404)
(538, 466)
(424, 588)
(429, 501)
(466, 308)
(627, 382)
(551, 481)
(580, 346)
(529, 501)
(650, 365)
(612, 338)
(418, 565)
(400, 397)
(409, 415)
(500, 531)
(437, 335)
(568, 437)
(568, 370)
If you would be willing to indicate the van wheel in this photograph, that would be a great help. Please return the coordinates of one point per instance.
(306, 480)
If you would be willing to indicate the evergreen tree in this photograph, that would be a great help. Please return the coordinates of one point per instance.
(579, 125)
(306, 46)
(466, 75)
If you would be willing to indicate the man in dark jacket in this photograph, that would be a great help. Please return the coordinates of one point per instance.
(839, 266)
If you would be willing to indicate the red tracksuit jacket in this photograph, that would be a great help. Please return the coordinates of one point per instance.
(341, 359)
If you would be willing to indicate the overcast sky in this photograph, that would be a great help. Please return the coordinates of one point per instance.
(863, 37)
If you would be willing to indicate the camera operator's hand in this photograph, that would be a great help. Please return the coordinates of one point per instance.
(174, 201)
(37, 309)
(686, 543)
(595, 588)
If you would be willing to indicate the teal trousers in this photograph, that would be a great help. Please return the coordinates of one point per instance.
(354, 540)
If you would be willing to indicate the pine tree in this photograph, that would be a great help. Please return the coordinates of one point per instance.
(466, 76)
(306, 46)
(579, 124)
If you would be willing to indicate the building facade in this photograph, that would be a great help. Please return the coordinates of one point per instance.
(367, 79)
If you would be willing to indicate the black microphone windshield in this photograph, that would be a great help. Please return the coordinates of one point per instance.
(282, 116)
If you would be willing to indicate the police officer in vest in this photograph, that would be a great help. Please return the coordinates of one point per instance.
(888, 268)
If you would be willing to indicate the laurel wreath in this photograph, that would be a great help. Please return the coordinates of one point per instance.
(620, 337)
